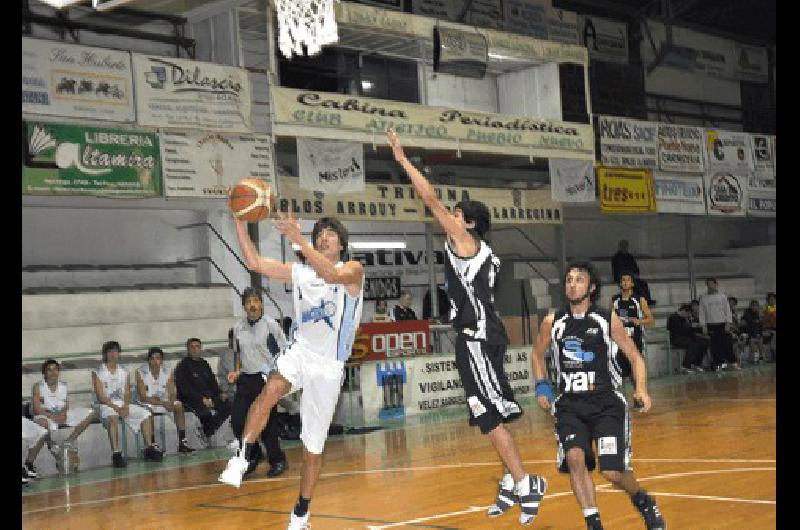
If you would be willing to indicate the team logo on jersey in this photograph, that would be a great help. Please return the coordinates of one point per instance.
(573, 350)
(593, 331)
(323, 312)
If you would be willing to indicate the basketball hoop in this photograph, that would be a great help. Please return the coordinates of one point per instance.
(305, 22)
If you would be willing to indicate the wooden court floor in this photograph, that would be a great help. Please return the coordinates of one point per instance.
(706, 451)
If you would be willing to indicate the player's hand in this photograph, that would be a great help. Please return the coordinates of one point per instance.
(644, 400)
(61, 417)
(287, 225)
(232, 376)
(394, 143)
(123, 411)
(543, 402)
(636, 321)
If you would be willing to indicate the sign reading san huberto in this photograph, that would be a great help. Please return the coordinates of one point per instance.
(73, 159)
(207, 164)
(61, 79)
(180, 93)
(680, 148)
(627, 143)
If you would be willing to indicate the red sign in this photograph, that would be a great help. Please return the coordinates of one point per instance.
(381, 340)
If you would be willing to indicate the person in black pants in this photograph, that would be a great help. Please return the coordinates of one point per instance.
(198, 390)
(257, 340)
(681, 335)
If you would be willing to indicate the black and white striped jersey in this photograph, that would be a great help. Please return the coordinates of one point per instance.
(470, 287)
(584, 354)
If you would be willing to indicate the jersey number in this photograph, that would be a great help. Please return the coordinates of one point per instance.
(578, 381)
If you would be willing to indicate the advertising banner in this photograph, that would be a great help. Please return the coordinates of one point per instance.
(626, 190)
(627, 143)
(62, 79)
(761, 203)
(185, 94)
(728, 150)
(397, 202)
(680, 148)
(416, 385)
(528, 17)
(330, 167)
(572, 180)
(763, 176)
(382, 288)
(562, 25)
(726, 193)
(78, 160)
(381, 340)
(344, 117)
(751, 63)
(679, 194)
(606, 39)
(207, 164)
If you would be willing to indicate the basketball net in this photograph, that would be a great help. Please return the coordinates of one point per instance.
(309, 22)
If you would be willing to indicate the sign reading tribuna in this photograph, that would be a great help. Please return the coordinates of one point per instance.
(359, 119)
(78, 160)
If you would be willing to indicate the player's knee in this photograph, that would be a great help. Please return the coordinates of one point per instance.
(576, 458)
(612, 476)
(178, 406)
(41, 422)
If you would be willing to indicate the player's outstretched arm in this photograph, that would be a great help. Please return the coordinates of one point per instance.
(450, 224)
(544, 392)
(630, 350)
(257, 263)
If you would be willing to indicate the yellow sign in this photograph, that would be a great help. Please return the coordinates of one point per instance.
(359, 119)
(397, 202)
(626, 190)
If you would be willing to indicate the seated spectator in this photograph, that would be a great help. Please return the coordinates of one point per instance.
(34, 436)
(751, 326)
(111, 395)
(769, 321)
(403, 310)
(155, 386)
(737, 336)
(225, 366)
(681, 335)
(381, 312)
(51, 409)
(444, 306)
(198, 390)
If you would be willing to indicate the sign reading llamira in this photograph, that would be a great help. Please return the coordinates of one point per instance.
(345, 117)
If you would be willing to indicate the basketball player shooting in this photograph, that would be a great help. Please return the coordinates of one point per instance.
(590, 407)
(471, 269)
(327, 297)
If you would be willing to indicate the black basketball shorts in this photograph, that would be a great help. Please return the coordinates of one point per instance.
(601, 418)
(622, 360)
(490, 399)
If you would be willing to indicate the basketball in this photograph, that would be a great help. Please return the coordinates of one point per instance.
(250, 200)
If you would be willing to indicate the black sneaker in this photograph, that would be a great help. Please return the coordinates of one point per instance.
(650, 512)
(506, 498)
(184, 448)
(529, 504)
(251, 466)
(153, 454)
(277, 469)
(118, 460)
(30, 470)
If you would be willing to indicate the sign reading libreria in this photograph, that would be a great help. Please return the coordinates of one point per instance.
(344, 117)
(74, 159)
(180, 93)
(78, 81)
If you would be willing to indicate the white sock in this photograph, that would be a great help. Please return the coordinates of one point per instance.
(507, 482)
(589, 511)
(523, 487)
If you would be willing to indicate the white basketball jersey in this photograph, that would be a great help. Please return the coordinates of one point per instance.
(156, 388)
(113, 384)
(326, 317)
(53, 401)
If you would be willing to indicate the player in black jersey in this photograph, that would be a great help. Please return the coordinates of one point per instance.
(471, 268)
(634, 313)
(589, 408)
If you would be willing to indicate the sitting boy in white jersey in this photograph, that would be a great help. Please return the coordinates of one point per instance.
(327, 300)
(51, 408)
(155, 389)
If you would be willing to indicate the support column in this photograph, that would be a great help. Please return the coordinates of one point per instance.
(252, 231)
(690, 256)
(431, 269)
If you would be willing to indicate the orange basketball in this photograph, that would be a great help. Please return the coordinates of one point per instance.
(251, 200)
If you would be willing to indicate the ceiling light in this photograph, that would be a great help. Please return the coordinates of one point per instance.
(369, 245)
(60, 4)
(367, 85)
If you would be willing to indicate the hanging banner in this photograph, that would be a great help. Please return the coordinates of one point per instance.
(763, 151)
(680, 148)
(627, 143)
(330, 167)
(384, 202)
(761, 203)
(606, 39)
(344, 117)
(184, 94)
(63, 159)
(679, 194)
(728, 150)
(562, 25)
(751, 63)
(206, 164)
(527, 17)
(626, 190)
(61, 79)
(726, 193)
(572, 180)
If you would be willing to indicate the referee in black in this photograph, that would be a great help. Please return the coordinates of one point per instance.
(257, 340)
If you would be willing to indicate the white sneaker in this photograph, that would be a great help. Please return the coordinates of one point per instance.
(298, 523)
(234, 471)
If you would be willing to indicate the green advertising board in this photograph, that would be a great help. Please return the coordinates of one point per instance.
(69, 159)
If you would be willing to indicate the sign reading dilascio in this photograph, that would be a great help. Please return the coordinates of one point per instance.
(74, 159)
